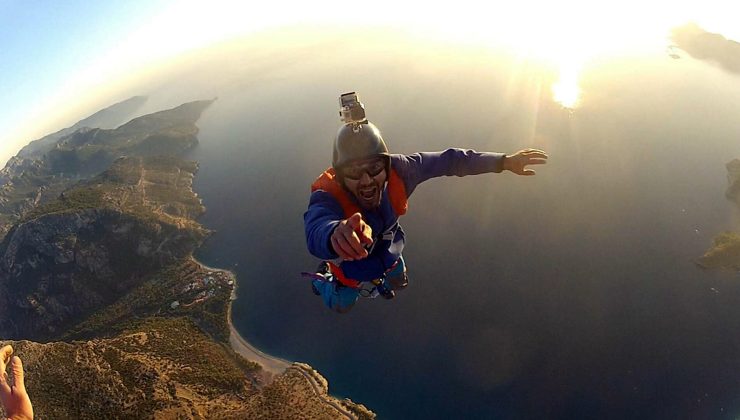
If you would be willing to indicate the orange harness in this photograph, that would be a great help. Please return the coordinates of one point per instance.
(328, 182)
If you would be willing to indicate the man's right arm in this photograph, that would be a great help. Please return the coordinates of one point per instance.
(322, 217)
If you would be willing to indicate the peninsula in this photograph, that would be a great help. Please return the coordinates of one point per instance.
(102, 298)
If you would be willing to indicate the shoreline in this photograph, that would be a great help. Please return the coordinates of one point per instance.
(270, 364)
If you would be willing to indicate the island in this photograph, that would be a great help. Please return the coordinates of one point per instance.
(102, 298)
(725, 251)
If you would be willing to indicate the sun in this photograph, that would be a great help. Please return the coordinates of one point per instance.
(569, 35)
(566, 90)
(566, 35)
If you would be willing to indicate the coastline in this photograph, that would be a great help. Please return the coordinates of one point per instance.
(270, 364)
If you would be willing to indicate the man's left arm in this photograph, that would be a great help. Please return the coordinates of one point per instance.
(419, 167)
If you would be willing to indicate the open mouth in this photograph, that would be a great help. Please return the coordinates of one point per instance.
(368, 193)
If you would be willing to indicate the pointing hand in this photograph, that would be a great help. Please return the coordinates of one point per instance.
(518, 161)
(350, 236)
(14, 397)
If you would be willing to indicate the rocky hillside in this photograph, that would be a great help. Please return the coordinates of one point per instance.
(725, 250)
(99, 290)
(167, 368)
(85, 249)
(41, 174)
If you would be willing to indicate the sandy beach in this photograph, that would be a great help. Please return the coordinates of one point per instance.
(270, 364)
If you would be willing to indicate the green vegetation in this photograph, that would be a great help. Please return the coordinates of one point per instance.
(154, 297)
(155, 189)
(135, 374)
(81, 198)
(210, 366)
(724, 253)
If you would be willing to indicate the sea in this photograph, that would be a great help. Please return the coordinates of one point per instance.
(573, 293)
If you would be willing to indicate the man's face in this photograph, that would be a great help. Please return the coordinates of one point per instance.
(365, 179)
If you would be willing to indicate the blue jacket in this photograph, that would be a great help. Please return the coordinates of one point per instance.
(324, 212)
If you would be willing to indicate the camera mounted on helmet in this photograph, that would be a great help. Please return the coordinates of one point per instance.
(358, 139)
(351, 110)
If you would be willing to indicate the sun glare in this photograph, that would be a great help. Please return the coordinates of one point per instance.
(566, 90)
(567, 34)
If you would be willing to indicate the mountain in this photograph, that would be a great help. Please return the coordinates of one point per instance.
(74, 254)
(96, 270)
(32, 181)
(110, 117)
(168, 368)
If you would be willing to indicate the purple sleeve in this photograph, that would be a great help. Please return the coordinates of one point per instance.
(323, 215)
(419, 167)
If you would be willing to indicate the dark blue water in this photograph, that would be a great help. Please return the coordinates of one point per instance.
(572, 294)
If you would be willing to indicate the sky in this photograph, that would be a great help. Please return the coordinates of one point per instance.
(59, 58)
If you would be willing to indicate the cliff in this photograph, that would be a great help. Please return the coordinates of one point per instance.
(96, 266)
(97, 240)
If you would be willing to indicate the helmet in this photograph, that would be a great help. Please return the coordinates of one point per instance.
(358, 141)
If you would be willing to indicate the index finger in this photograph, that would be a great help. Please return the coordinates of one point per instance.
(365, 232)
(356, 243)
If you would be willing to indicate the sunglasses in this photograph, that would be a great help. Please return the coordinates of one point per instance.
(355, 172)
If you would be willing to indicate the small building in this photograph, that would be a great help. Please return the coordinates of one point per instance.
(174, 305)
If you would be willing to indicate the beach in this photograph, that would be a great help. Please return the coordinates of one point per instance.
(272, 365)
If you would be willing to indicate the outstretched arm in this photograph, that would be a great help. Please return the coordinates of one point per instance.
(14, 397)
(419, 167)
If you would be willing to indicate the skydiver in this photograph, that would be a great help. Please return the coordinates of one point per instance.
(352, 217)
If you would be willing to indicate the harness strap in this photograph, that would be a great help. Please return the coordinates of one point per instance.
(341, 278)
(339, 275)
